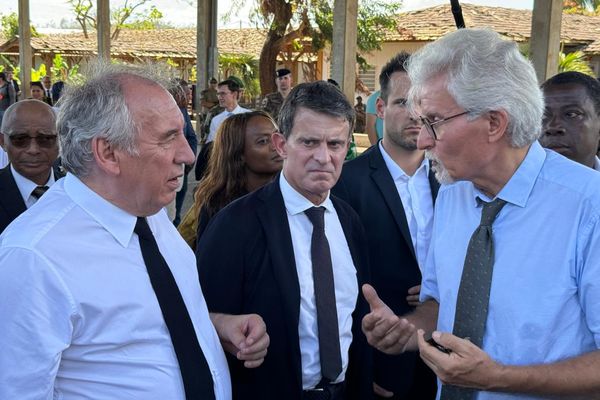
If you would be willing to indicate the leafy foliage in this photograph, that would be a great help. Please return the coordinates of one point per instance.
(243, 66)
(574, 62)
(9, 24)
(138, 18)
(585, 7)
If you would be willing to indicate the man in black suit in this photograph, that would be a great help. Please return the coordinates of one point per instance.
(28, 135)
(260, 255)
(392, 189)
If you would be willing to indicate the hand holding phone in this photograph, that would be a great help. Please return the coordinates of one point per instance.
(429, 339)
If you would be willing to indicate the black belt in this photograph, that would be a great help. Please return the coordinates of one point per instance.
(330, 391)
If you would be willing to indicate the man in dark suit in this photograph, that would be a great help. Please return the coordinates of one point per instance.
(261, 253)
(392, 189)
(47, 82)
(28, 135)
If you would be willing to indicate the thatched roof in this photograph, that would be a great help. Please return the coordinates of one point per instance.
(172, 43)
(431, 23)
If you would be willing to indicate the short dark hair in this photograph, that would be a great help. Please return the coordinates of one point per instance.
(396, 64)
(591, 85)
(319, 96)
(231, 85)
(2, 76)
(38, 84)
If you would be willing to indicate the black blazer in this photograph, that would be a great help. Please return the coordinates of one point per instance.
(11, 201)
(367, 185)
(246, 265)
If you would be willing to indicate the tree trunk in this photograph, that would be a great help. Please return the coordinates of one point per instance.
(268, 62)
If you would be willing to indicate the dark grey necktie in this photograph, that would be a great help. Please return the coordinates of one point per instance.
(39, 191)
(197, 378)
(474, 292)
(327, 320)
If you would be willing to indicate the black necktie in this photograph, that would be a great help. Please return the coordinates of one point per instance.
(197, 379)
(39, 191)
(327, 320)
(474, 292)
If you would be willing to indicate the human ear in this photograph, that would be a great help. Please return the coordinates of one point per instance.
(279, 142)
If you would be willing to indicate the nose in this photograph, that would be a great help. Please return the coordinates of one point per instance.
(33, 148)
(184, 154)
(321, 153)
(424, 140)
(553, 126)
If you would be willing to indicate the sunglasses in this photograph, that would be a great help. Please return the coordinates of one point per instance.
(23, 141)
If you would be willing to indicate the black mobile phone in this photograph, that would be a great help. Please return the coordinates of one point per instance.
(435, 344)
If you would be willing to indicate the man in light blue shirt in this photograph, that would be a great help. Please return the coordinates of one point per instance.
(482, 113)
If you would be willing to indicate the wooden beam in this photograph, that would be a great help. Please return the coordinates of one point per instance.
(207, 57)
(545, 37)
(103, 29)
(343, 49)
(25, 57)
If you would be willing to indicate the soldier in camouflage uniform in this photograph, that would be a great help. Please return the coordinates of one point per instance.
(273, 101)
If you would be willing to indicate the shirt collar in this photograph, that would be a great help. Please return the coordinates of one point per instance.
(597, 164)
(26, 186)
(295, 203)
(116, 221)
(396, 171)
(519, 187)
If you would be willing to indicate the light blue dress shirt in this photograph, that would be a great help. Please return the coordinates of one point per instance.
(78, 316)
(545, 294)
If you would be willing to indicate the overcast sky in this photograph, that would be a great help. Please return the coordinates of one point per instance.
(181, 13)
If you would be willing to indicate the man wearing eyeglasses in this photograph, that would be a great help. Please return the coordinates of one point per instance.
(514, 258)
(29, 139)
(392, 188)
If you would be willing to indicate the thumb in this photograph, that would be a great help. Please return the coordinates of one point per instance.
(372, 298)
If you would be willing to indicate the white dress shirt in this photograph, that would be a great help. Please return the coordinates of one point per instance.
(3, 158)
(219, 118)
(344, 276)
(415, 194)
(78, 315)
(26, 186)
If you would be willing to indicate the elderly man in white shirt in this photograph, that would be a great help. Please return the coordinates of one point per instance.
(99, 295)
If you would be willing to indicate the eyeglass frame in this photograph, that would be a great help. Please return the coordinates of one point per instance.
(23, 141)
(429, 125)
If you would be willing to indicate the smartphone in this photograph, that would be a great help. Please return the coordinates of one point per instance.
(435, 344)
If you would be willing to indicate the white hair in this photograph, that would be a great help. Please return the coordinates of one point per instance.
(484, 73)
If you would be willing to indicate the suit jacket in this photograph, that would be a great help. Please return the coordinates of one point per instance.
(367, 185)
(246, 265)
(11, 201)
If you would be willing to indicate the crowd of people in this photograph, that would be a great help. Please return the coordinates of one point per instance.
(456, 258)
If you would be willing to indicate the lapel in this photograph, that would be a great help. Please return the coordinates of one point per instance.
(273, 218)
(11, 199)
(383, 180)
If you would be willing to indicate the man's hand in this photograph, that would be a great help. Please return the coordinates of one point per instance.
(244, 336)
(384, 330)
(381, 392)
(413, 296)
(467, 365)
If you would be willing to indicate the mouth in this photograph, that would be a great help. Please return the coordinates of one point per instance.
(276, 159)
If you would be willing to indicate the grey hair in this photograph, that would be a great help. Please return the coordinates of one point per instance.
(484, 73)
(97, 109)
(319, 96)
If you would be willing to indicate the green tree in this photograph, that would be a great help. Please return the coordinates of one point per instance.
(574, 62)
(9, 24)
(130, 10)
(288, 21)
(245, 67)
(585, 7)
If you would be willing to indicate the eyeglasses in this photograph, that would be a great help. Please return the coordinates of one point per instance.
(429, 125)
(23, 141)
